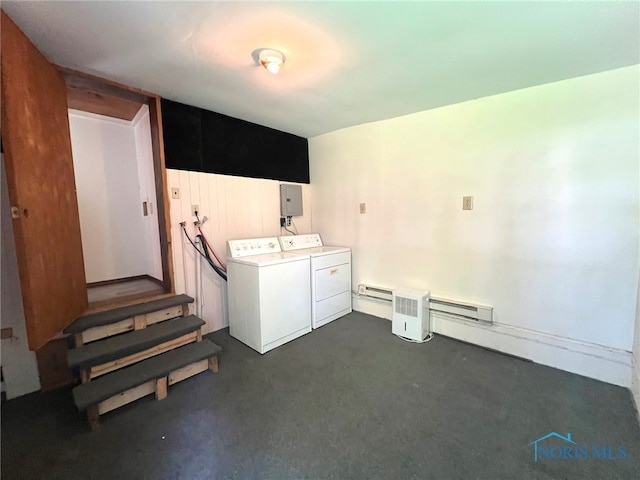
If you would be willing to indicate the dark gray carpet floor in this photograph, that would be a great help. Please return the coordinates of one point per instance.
(348, 400)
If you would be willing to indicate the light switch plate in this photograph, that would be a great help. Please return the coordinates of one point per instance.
(467, 203)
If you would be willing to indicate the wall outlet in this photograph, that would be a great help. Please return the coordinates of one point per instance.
(283, 222)
(175, 193)
(467, 203)
(195, 210)
(363, 208)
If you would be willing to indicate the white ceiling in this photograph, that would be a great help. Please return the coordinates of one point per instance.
(347, 62)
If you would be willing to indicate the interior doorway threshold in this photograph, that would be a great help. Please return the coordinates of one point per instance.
(123, 290)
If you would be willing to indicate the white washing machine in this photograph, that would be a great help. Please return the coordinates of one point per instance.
(269, 293)
(330, 276)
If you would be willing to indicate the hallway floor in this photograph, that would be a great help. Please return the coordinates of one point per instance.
(348, 400)
(117, 291)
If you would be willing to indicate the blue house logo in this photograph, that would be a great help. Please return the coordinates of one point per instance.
(570, 450)
(547, 452)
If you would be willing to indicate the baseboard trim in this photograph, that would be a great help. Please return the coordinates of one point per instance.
(590, 360)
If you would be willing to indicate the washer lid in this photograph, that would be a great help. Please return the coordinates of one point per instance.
(269, 259)
(319, 251)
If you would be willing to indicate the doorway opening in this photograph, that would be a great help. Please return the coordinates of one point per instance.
(119, 168)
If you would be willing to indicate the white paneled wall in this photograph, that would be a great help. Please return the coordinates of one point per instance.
(235, 207)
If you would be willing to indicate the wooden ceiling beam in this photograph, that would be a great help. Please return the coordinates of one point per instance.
(94, 94)
(102, 104)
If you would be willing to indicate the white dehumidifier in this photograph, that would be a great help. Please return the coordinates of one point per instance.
(410, 314)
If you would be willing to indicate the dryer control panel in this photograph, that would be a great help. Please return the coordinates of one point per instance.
(252, 246)
(298, 242)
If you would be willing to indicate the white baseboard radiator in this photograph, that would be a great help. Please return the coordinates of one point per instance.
(379, 293)
(454, 308)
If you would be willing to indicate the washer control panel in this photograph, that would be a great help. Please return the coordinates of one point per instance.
(252, 246)
(298, 242)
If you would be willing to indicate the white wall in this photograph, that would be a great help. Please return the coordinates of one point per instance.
(552, 241)
(18, 363)
(115, 235)
(635, 387)
(236, 207)
(147, 191)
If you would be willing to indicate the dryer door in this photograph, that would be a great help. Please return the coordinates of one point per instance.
(332, 281)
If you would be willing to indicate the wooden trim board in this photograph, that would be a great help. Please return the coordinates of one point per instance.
(105, 368)
(96, 333)
(92, 83)
(158, 386)
(128, 324)
(162, 315)
(128, 396)
(162, 200)
(100, 103)
(188, 371)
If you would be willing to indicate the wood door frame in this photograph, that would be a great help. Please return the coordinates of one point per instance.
(100, 86)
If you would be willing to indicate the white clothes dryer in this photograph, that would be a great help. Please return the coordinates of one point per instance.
(330, 276)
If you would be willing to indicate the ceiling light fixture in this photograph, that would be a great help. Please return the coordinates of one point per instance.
(272, 59)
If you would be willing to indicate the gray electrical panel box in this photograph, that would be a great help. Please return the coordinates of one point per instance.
(290, 200)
